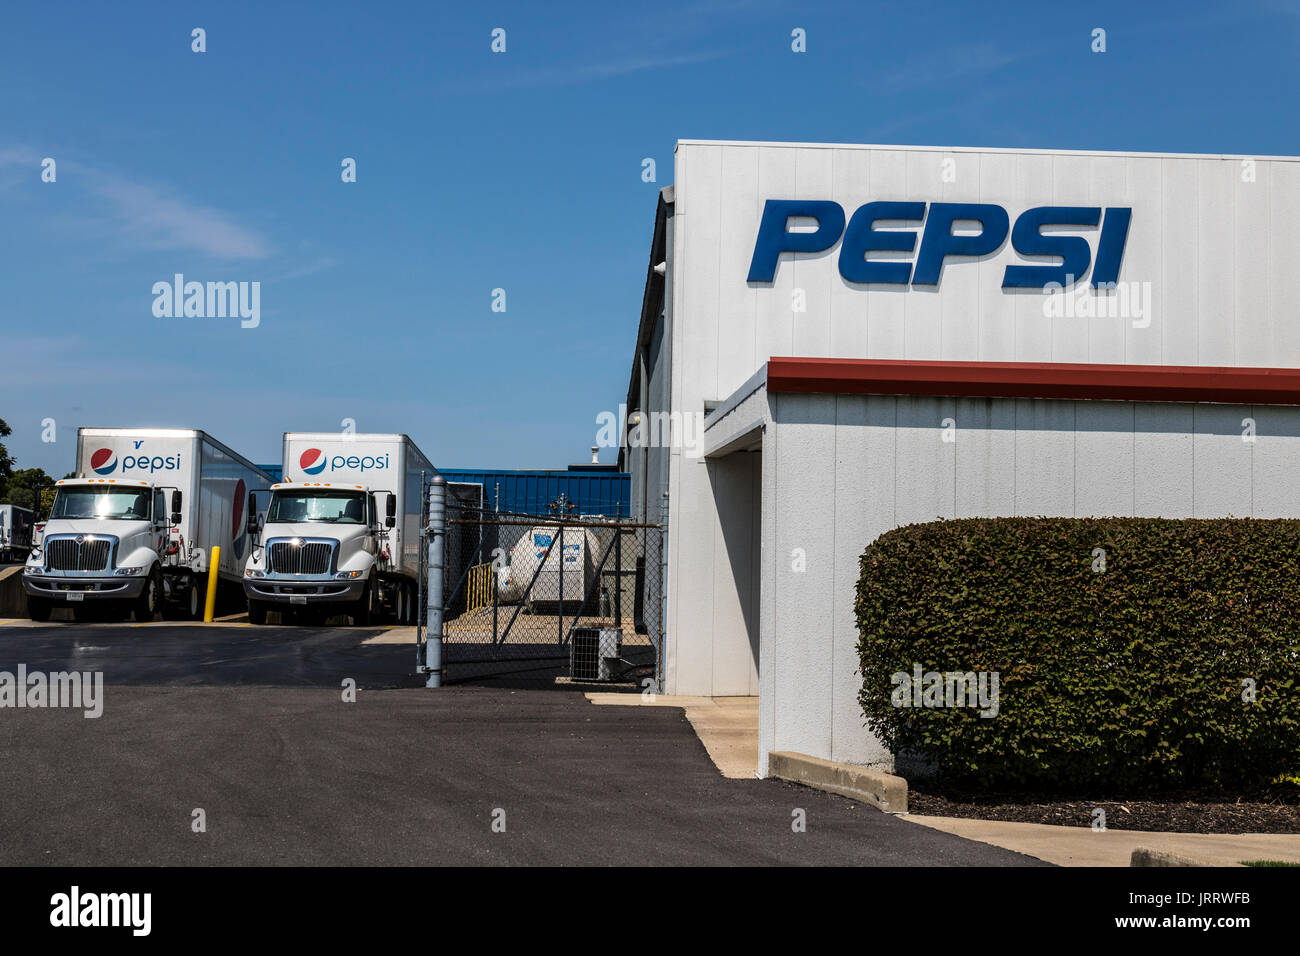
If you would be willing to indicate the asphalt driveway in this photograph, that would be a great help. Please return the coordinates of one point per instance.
(250, 726)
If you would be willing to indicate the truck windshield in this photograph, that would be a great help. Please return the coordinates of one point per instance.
(339, 507)
(100, 503)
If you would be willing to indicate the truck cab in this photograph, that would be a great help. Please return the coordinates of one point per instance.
(322, 548)
(105, 541)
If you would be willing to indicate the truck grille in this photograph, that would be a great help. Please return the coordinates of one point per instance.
(68, 554)
(309, 557)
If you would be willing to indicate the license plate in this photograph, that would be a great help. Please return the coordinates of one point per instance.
(297, 599)
(76, 595)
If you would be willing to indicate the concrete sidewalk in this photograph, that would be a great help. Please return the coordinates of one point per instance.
(1081, 846)
(727, 726)
(393, 634)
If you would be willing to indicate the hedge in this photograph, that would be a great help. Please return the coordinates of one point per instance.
(1131, 676)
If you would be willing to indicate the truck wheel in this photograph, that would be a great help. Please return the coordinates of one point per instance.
(410, 605)
(146, 605)
(182, 604)
(193, 603)
(363, 612)
(38, 609)
(256, 612)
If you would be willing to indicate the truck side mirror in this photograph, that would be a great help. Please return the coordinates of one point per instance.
(176, 507)
(390, 509)
(251, 523)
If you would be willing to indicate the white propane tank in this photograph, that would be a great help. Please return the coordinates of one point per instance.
(508, 590)
(579, 553)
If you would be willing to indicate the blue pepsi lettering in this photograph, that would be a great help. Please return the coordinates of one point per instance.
(939, 243)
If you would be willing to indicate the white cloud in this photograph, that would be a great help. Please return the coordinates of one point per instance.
(944, 66)
(162, 221)
(151, 216)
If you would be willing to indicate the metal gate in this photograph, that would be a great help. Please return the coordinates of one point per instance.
(545, 598)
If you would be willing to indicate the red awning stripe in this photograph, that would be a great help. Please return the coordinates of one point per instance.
(1119, 383)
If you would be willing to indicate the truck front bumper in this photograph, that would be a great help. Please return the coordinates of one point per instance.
(298, 590)
(65, 590)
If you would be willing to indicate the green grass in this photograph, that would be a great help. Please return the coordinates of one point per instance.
(1268, 863)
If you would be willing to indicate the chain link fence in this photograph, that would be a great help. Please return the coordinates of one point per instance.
(549, 598)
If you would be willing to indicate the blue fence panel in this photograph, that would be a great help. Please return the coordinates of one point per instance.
(592, 493)
(531, 492)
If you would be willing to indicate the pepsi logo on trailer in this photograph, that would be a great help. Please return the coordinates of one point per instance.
(312, 461)
(103, 461)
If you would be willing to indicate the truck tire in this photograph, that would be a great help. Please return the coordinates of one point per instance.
(184, 604)
(38, 609)
(146, 605)
(363, 612)
(410, 592)
(399, 603)
(256, 612)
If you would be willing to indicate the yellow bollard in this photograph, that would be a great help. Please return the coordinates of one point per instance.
(213, 563)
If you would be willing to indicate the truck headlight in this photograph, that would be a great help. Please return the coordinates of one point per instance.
(127, 572)
(254, 573)
(348, 575)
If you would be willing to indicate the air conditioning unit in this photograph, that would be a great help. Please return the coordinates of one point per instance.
(594, 652)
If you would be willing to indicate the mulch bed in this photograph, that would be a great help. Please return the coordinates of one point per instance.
(1191, 812)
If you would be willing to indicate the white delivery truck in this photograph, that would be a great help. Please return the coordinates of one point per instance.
(136, 527)
(16, 525)
(342, 532)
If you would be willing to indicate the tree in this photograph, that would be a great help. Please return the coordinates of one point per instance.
(26, 486)
(6, 463)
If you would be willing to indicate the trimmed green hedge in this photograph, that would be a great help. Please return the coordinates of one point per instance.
(1127, 677)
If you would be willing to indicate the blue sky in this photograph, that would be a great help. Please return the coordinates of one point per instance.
(478, 171)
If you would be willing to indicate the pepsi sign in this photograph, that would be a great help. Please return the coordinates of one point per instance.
(313, 461)
(939, 242)
(104, 461)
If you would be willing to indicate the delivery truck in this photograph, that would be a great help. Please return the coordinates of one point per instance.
(16, 526)
(136, 529)
(342, 532)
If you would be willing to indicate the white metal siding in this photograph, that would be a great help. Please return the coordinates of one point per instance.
(845, 469)
(1219, 254)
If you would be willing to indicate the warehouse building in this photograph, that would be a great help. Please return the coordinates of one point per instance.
(838, 340)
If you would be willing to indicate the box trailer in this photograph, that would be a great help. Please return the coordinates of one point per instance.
(16, 526)
(138, 525)
(342, 531)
